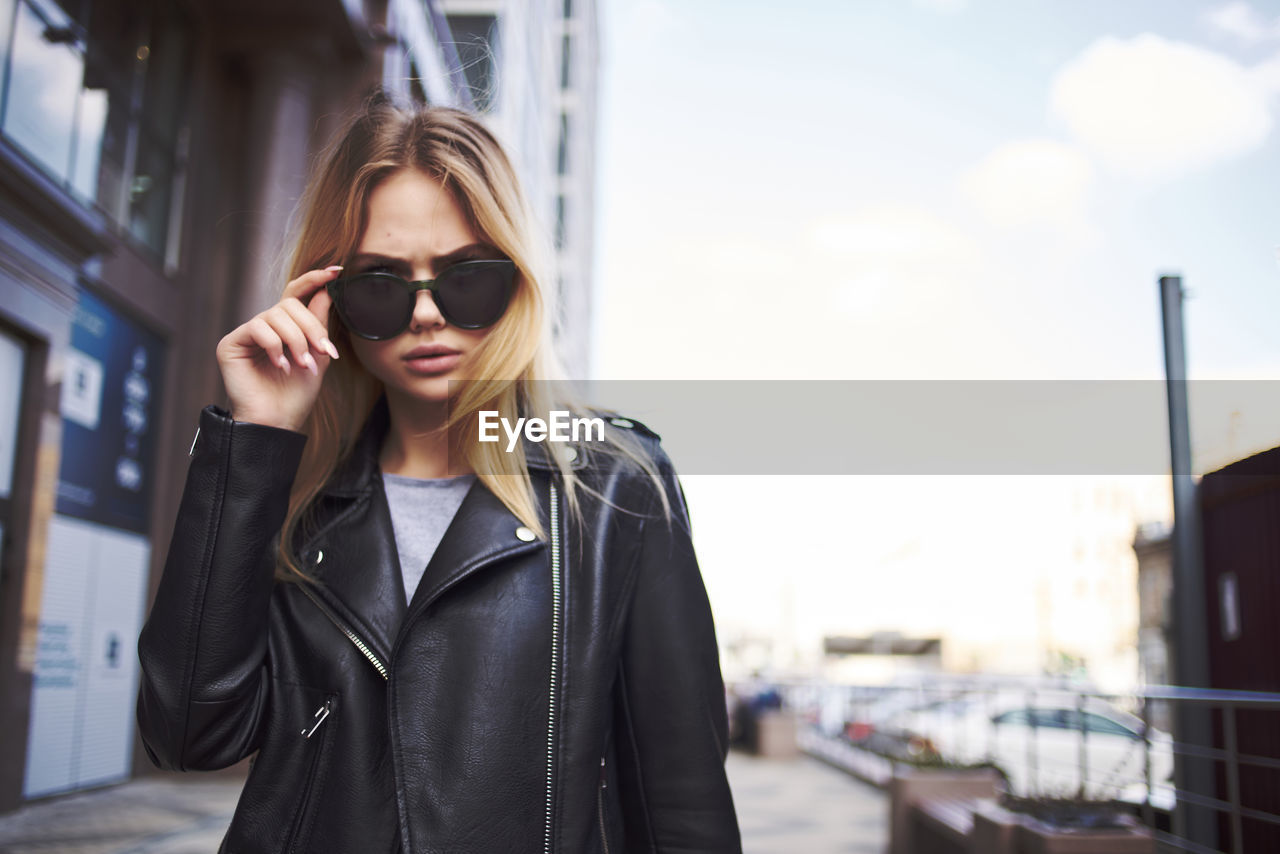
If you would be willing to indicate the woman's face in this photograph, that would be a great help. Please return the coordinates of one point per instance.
(416, 230)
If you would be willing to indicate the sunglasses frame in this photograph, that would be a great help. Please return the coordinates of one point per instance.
(337, 286)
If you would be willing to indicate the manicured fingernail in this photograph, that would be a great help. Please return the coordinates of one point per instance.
(283, 362)
(310, 364)
(327, 346)
(334, 269)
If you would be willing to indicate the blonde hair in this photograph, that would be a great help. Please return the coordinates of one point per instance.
(514, 360)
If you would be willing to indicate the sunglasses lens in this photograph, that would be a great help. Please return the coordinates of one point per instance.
(471, 295)
(475, 294)
(376, 306)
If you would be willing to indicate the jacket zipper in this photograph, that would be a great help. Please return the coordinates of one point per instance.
(342, 627)
(604, 836)
(555, 655)
(301, 820)
(318, 718)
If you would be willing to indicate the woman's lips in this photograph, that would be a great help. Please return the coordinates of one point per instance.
(430, 363)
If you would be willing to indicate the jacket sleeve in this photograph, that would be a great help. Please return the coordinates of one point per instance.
(674, 791)
(203, 648)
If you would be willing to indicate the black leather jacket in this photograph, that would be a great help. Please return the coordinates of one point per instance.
(531, 697)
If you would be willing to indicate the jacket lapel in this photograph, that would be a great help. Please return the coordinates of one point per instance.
(482, 532)
(363, 584)
(367, 588)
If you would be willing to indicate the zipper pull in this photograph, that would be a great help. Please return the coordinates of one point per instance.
(604, 783)
(318, 717)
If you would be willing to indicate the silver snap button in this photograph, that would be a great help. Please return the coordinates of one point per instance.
(621, 422)
(526, 535)
(319, 556)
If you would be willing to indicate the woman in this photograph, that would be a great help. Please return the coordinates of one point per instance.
(519, 657)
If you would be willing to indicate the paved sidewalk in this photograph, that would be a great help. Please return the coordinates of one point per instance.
(796, 806)
(803, 806)
(154, 815)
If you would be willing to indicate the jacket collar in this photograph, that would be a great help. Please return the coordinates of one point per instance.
(355, 477)
(482, 532)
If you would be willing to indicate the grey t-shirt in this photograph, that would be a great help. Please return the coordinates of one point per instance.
(421, 510)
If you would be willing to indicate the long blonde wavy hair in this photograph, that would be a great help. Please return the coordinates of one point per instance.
(514, 360)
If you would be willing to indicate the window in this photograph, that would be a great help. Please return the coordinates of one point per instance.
(1050, 718)
(1039, 718)
(1106, 726)
(475, 38)
(561, 227)
(96, 99)
(562, 157)
(564, 62)
(1017, 717)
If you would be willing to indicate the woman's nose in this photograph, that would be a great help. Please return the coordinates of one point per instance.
(426, 315)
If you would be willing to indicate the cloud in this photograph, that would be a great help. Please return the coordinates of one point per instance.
(1156, 108)
(1243, 22)
(1031, 182)
(892, 258)
(1266, 74)
(884, 290)
(890, 232)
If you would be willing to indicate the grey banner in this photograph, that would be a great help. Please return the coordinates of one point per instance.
(936, 427)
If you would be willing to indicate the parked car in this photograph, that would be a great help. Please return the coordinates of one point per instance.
(1042, 746)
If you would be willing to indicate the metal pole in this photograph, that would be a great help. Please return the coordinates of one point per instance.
(1033, 747)
(1190, 636)
(1083, 748)
(1148, 813)
(1233, 778)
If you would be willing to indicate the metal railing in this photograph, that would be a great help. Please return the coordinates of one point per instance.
(949, 720)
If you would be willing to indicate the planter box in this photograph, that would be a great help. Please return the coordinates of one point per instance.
(909, 786)
(996, 830)
(1035, 837)
(993, 828)
(776, 735)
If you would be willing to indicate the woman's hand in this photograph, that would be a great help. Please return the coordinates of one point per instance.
(272, 365)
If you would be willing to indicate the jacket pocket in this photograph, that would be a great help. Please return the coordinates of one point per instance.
(285, 789)
(601, 788)
(319, 730)
(608, 814)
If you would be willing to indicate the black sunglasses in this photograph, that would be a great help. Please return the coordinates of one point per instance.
(470, 295)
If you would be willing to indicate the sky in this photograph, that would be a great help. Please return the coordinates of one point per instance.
(946, 189)
(941, 190)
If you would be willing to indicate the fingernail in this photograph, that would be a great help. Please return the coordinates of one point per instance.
(327, 346)
(310, 364)
(336, 268)
(283, 362)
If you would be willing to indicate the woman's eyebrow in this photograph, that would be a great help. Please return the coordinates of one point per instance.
(469, 249)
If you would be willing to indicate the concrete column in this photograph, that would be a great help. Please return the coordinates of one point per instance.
(278, 136)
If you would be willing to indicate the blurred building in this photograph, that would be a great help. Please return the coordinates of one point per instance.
(150, 156)
(1153, 548)
(531, 64)
(1239, 508)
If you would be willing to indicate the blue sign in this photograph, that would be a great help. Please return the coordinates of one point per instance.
(110, 414)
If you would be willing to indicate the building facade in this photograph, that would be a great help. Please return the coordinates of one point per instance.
(1153, 548)
(151, 154)
(531, 65)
